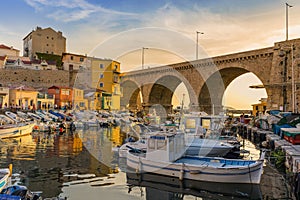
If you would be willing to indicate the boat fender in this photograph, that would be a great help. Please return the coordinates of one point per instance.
(181, 174)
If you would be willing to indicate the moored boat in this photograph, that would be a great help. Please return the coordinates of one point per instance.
(15, 130)
(5, 174)
(165, 156)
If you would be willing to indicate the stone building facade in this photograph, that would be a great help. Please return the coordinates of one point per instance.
(45, 40)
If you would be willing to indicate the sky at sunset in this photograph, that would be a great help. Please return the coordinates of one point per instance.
(119, 30)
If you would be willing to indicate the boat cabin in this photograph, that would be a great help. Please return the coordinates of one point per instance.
(166, 147)
(208, 122)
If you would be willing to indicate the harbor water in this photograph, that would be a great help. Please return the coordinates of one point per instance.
(85, 165)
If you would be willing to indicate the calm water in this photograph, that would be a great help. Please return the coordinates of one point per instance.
(85, 165)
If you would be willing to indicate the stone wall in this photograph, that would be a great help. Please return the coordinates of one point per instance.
(36, 78)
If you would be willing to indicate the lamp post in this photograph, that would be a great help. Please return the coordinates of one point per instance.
(287, 6)
(197, 32)
(143, 56)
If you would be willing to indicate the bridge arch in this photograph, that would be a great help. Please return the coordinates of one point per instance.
(212, 91)
(131, 95)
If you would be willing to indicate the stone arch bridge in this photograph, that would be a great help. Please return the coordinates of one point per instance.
(207, 79)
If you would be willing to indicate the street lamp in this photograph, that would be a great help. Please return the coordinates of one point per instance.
(197, 32)
(287, 6)
(143, 56)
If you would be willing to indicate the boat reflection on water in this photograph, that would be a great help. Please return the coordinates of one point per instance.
(164, 187)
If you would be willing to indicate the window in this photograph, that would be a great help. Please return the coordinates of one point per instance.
(116, 78)
(81, 59)
(101, 75)
(65, 92)
(47, 37)
(101, 84)
(52, 38)
(71, 57)
(47, 44)
(151, 144)
(101, 66)
(81, 104)
(57, 91)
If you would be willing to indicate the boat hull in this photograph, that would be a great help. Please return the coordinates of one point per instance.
(16, 131)
(217, 173)
(206, 190)
(5, 178)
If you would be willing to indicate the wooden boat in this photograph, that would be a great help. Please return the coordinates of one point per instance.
(16, 130)
(13, 116)
(24, 116)
(165, 156)
(5, 175)
(34, 116)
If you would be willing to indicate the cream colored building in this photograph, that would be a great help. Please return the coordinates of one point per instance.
(74, 61)
(43, 41)
(106, 78)
(8, 51)
(17, 62)
(45, 101)
(79, 102)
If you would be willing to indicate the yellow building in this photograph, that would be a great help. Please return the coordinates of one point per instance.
(4, 97)
(43, 41)
(79, 102)
(106, 78)
(259, 107)
(45, 101)
(23, 97)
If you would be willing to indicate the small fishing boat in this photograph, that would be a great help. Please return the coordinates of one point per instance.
(5, 175)
(165, 156)
(15, 130)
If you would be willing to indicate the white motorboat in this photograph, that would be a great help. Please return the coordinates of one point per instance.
(165, 156)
